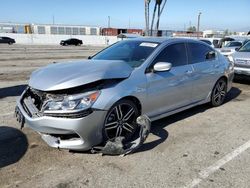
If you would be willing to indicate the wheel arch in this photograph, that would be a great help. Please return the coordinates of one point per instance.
(223, 77)
(135, 100)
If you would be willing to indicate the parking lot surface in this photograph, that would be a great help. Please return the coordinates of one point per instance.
(200, 147)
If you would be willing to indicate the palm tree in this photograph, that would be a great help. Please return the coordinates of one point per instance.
(160, 10)
(158, 3)
(153, 19)
(146, 6)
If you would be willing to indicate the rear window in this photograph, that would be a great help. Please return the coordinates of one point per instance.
(197, 52)
(174, 54)
(207, 41)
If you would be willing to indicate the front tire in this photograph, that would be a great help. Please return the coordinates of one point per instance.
(219, 93)
(121, 120)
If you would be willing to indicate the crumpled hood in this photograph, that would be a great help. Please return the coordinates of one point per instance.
(60, 76)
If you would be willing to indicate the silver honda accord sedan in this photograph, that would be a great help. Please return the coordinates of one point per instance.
(78, 105)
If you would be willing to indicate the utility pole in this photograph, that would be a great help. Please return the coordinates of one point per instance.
(53, 19)
(108, 21)
(198, 25)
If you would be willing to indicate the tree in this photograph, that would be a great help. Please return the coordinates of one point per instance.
(153, 18)
(146, 11)
(191, 29)
(160, 10)
(226, 32)
(158, 4)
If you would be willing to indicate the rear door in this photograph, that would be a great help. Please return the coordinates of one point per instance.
(206, 68)
(70, 41)
(6, 39)
(171, 89)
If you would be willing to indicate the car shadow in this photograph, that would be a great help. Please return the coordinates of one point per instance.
(12, 91)
(158, 127)
(232, 94)
(13, 145)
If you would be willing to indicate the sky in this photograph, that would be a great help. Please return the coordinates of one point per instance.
(178, 14)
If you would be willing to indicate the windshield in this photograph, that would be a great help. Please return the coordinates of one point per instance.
(245, 48)
(132, 52)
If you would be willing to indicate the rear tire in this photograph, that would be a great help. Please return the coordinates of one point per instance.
(121, 120)
(219, 93)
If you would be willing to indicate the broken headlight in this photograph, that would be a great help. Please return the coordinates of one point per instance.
(72, 103)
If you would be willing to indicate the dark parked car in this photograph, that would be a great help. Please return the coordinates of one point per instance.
(71, 41)
(7, 40)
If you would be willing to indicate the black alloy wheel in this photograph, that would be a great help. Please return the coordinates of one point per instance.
(121, 120)
(219, 92)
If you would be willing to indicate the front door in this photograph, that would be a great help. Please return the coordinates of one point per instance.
(170, 90)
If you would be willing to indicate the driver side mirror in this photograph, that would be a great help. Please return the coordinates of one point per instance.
(162, 67)
(237, 49)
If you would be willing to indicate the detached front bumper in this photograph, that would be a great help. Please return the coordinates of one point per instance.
(67, 133)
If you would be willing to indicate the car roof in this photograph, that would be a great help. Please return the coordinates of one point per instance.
(165, 39)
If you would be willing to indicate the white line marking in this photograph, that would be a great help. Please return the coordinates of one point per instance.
(211, 169)
(7, 114)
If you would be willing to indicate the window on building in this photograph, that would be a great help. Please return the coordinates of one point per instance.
(82, 31)
(61, 30)
(40, 29)
(20, 29)
(75, 31)
(93, 31)
(53, 30)
(68, 31)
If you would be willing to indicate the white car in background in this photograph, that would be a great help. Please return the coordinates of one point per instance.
(230, 47)
(241, 60)
(213, 42)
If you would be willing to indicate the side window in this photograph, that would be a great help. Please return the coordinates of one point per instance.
(175, 54)
(198, 53)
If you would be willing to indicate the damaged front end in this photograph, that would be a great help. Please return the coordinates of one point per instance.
(37, 104)
(65, 118)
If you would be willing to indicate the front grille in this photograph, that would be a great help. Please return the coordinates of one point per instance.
(225, 50)
(244, 63)
(30, 108)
